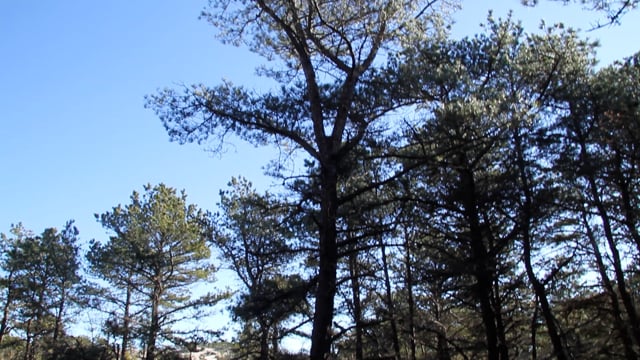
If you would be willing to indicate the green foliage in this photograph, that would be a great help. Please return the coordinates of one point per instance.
(255, 235)
(465, 202)
(158, 252)
(40, 273)
(614, 10)
(80, 348)
(472, 198)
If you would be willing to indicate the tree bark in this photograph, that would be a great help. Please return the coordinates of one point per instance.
(328, 260)
(154, 326)
(264, 340)
(389, 300)
(627, 301)
(275, 340)
(534, 332)
(7, 306)
(28, 347)
(408, 280)
(481, 263)
(60, 311)
(442, 342)
(560, 351)
(125, 325)
(500, 327)
(526, 217)
(629, 211)
(618, 321)
(357, 308)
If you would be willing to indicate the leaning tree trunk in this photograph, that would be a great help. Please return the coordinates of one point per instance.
(621, 282)
(629, 211)
(618, 321)
(560, 350)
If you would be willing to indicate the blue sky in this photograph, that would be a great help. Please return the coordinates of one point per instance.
(75, 138)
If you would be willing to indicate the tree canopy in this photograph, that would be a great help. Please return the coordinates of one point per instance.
(477, 156)
(160, 249)
(451, 199)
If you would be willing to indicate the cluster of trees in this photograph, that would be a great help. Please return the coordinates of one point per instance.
(159, 250)
(458, 198)
(39, 275)
(449, 199)
(140, 280)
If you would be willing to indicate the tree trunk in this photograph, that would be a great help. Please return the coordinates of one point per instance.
(328, 260)
(275, 340)
(57, 329)
(389, 300)
(264, 340)
(559, 349)
(408, 279)
(442, 343)
(526, 217)
(442, 346)
(618, 321)
(534, 332)
(354, 273)
(481, 263)
(35, 324)
(627, 301)
(503, 350)
(154, 327)
(588, 172)
(7, 306)
(28, 346)
(629, 211)
(483, 292)
(125, 325)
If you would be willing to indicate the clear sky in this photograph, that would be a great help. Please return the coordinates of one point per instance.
(75, 138)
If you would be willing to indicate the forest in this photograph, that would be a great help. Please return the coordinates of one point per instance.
(440, 198)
